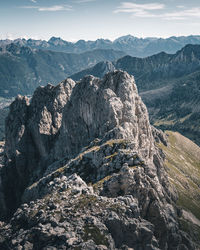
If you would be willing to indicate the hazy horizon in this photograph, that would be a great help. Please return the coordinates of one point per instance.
(98, 38)
(73, 20)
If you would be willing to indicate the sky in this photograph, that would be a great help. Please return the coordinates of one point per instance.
(73, 20)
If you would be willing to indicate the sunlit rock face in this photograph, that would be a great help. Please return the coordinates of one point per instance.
(108, 108)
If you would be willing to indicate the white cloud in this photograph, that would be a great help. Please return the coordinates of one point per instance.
(128, 7)
(183, 14)
(180, 6)
(195, 24)
(84, 1)
(33, 1)
(151, 10)
(50, 8)
(55, 8)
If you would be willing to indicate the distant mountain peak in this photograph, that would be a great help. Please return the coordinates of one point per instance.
(190, 52)
(53, 39)
(126, 38)
(56, 41)
(131, 45)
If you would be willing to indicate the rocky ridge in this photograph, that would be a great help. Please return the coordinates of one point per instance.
(82, 171)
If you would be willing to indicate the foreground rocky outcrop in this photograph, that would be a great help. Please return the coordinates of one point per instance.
(82, 171)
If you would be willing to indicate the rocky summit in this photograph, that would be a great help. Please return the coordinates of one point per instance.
(81, 170)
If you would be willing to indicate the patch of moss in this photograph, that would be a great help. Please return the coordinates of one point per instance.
(187, 203)
(77, 248)
(163, 122)
(133, 167)
(192, 229)
(86, 200)
(33, 213)
(111, 156)
(94, 148)
(100, 183)
(58, 172)
(92, 232)
(116, 207)
(123, 142)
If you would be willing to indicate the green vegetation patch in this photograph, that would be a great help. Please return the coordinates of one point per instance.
(192, 229)
(85, 201)
(92, 232)
(111, 143)
(98, 185)
(183, 166)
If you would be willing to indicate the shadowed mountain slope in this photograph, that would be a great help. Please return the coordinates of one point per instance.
(22, 69)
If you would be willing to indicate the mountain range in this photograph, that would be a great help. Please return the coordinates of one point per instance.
(153, 71)
(22, 69)
(169, 85)
(139, 47)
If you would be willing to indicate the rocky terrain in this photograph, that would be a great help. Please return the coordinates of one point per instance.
(134, 46)
(82, 168)
(4, 110)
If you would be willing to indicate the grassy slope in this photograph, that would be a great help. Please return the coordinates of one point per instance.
(183, 167)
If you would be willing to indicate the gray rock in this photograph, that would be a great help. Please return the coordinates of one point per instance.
(83, 171)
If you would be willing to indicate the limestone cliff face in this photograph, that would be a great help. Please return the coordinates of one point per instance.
(39, 120)
(31, 130)
(60, 121)
(82, 171)
(106, 109)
